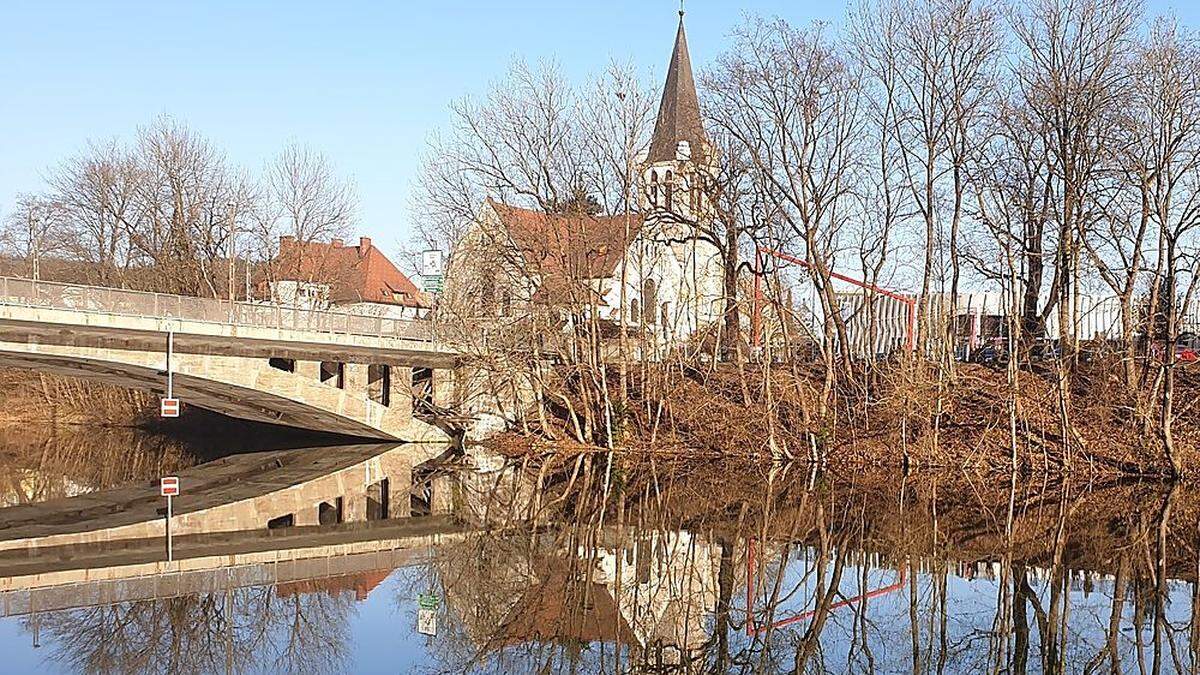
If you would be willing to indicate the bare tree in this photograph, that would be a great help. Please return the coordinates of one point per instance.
(34, 230)
(98, 192)
(302, 199)
(793, 104)
(1168, 84)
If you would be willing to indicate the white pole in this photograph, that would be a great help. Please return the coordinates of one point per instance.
(170, 551)
(170, 376)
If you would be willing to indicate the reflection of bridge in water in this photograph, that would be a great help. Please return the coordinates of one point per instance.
(268, 517)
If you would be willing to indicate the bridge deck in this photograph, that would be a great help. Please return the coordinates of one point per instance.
(218, 326)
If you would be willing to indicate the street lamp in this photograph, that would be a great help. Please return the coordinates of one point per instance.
(35, 243)
(231, 209)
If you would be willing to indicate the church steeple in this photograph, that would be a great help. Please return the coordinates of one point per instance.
(679, 110)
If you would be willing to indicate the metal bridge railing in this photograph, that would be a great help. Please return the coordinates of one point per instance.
(102, 300)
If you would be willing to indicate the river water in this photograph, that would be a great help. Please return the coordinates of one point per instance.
(578, 565)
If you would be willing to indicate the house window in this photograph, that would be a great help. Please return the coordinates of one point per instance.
(649, 301)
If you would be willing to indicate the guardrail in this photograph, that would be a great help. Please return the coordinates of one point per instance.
(116, 301)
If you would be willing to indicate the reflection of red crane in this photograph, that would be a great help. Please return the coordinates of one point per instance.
(756, 317)
(753, 629)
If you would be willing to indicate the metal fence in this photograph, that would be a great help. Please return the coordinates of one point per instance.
(102, 300)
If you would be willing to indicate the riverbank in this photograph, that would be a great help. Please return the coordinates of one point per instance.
(40, 404)
(31, 397)
(893, 417)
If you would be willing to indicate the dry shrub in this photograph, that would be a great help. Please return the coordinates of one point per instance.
(29, 396)
(893, 413)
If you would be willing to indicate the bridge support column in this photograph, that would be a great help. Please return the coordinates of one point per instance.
(309, 369)
(354, 505)
(306, 514)
(443, 387)
(356, 379)
(442, 496)
(401, 396)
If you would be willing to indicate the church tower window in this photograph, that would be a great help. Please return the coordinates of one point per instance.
(669, 187)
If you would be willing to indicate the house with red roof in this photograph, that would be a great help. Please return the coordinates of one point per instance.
(358, 279)
(646, 271)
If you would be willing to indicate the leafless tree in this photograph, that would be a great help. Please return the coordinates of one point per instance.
(302, 198)
(34, 230)
(788, 98)
(1167, 80)
(98, 192)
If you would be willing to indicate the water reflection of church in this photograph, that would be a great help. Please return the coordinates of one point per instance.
(654, 595)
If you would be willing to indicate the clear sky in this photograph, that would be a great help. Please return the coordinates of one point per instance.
(363, 82)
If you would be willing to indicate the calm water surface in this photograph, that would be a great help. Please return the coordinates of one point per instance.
(663, 567)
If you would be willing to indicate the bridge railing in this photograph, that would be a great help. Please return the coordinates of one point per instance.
(102, 300)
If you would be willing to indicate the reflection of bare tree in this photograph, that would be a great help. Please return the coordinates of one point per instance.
(243, 629)
(37, 465)
(850, 575)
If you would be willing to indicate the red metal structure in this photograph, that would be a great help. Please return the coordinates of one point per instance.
(756, 316)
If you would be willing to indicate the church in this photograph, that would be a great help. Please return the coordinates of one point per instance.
(513, 259)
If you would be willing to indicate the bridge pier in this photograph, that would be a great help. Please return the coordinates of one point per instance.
(307, 514)
(441, 495)
(401, 396)
(309, 369)
(354, 507)
(355, 375)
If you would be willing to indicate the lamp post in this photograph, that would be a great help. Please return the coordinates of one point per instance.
(231, 209)
(35, 243)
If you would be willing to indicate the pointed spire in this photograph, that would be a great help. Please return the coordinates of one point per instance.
(679, 111)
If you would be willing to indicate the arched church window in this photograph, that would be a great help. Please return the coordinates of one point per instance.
(653, 188)
(649, 301)
(634, 311)
(669, 188)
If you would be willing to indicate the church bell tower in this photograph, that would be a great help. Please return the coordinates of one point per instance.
(679, 150)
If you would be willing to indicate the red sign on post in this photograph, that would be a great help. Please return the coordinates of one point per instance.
(170, 407)
(168, 486)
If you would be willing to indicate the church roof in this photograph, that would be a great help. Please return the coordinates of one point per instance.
(567, 247)
(679, 111)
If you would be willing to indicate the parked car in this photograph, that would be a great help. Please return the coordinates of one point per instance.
(1187, 348)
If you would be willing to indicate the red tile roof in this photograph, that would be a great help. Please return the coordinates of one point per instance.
(567, 247)
(560, 606)
(355, 273)
(362, 584)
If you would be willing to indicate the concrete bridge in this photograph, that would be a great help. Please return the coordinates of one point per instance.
(321, 370)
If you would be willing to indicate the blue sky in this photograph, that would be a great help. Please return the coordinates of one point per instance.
(363, 82)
